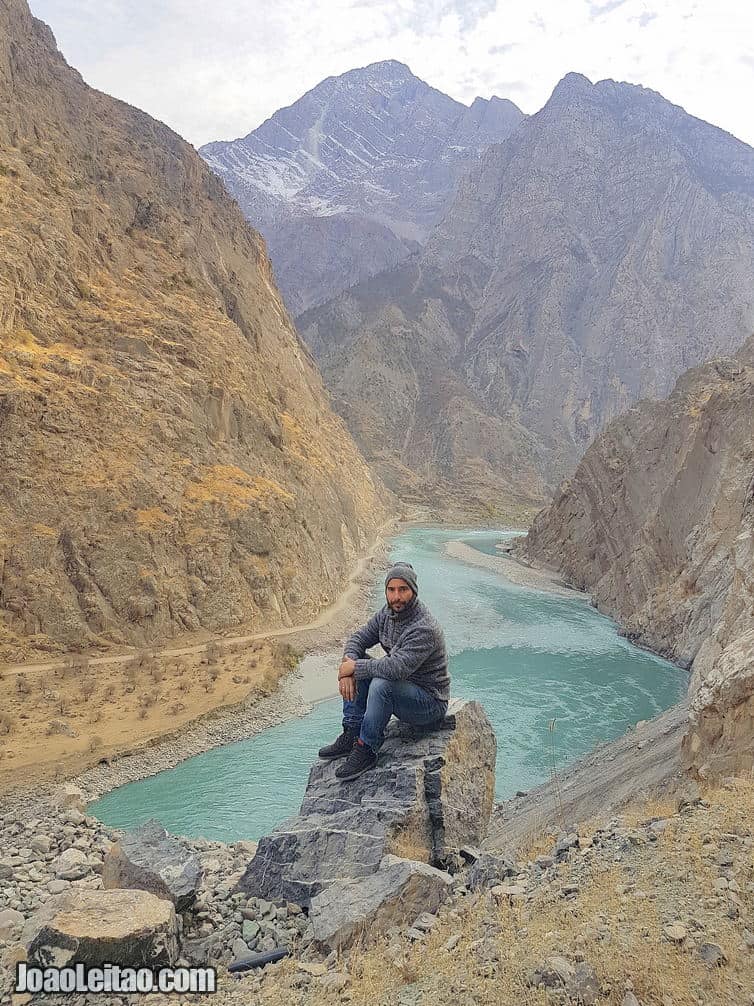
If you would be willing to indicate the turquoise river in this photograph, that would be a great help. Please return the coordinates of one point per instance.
(529, 656)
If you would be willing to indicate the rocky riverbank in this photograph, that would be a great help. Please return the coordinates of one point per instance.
(59, 848)
(657, 523)
(652, 906)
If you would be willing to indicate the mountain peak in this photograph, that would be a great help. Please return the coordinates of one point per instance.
(386, 76)
(571, 85)
(375, 151)
(386, 66)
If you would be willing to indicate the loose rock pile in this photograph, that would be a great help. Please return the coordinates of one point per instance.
(493, 903)
(488, 906)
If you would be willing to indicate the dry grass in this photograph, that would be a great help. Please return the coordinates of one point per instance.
(57, 723)
(305, 445)
(629, 902)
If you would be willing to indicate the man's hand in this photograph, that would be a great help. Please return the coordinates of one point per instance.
(346, 680)
(347, 668)
(347, 687)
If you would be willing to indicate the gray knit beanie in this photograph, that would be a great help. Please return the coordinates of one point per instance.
(403, 571)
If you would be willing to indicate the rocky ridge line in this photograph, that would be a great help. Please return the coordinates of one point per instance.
(349, 179)
(586, 262)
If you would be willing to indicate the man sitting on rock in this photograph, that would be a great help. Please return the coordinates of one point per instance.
(410, 682)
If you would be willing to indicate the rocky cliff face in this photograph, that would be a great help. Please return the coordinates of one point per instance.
(391, 354)
(169, 458)
(658, 523)
(603, 249)
(348, 179)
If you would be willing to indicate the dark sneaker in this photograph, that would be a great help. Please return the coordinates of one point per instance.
(340, 747)
(361, 759)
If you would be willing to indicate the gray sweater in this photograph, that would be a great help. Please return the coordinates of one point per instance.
(415, 648)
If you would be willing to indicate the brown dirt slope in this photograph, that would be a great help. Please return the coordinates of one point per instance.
(169, 457)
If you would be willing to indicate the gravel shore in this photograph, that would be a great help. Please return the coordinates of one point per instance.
(513, 570)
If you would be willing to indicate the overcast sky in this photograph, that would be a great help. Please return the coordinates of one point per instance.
(215, 69)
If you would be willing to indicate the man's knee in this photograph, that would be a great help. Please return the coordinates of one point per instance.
(380, 691)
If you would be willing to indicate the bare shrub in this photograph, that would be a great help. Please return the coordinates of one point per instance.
(144, 660)
(59, 727)
(49, 694)
(131, 675)
(80, 664)
(290, 657)
(87, 688)
(6, 723)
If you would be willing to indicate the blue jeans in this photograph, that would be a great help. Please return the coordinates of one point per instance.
(377, 699)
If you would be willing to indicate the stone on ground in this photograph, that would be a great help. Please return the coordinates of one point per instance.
(11, 923)
(489, 870)
(430, 794)
(71, 864)
(130, 928)
(149, 859)
(397, 893)
(69, 797)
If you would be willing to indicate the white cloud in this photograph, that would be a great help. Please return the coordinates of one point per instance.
(215, 69)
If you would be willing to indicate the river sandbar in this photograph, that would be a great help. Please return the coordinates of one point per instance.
(513, 570)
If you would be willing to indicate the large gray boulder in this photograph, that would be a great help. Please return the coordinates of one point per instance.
(149, 859)
(430, 794)
(397, 893)
(130, 928)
